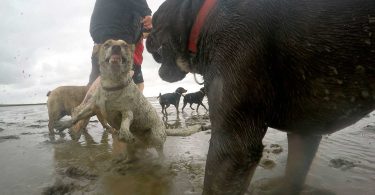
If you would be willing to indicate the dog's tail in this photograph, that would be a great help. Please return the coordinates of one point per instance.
(159, 96)
(48, 93)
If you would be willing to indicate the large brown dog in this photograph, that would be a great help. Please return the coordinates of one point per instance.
(62, 101)
(305, 67)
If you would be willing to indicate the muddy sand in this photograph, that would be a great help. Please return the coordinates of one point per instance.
(34, 163)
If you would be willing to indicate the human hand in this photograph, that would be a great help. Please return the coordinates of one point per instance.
(131, 73)
(147, 22)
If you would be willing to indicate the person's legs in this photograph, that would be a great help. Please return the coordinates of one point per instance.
(138, 77)
(94, 64)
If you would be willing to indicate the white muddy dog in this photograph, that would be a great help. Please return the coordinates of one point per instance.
(122, 104)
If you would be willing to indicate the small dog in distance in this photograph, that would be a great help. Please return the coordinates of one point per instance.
(195, 98)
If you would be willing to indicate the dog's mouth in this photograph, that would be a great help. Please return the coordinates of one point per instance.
(115, 59)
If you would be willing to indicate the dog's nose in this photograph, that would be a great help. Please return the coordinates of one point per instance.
(116, 49)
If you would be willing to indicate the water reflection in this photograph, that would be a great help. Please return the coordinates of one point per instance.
(173, 123)
(94, 166)
(186, 119)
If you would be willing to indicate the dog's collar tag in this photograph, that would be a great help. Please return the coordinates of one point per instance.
(198, 24)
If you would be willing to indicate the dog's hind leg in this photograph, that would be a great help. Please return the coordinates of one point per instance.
(103, 121)
(165, 109)
(203, 106)
(177, 111)
(131, 151)
(301, 152)
(53, 118)
(192, 107)
(184, 106)
(162, 109)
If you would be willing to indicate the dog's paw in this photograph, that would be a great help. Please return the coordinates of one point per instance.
(61, 125)
(126, 136)
(75, 135)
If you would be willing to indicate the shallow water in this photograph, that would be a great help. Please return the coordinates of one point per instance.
(33, 163)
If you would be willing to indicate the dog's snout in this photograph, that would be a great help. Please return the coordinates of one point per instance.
(116, 49)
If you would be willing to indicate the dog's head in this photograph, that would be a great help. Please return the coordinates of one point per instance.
(169, 37)
(181, 90)
(115, 59)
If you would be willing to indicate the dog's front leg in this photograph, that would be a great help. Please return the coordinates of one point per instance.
(86, 112)
(125, 134)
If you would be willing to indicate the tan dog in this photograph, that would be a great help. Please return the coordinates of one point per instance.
(62, 101)
(123, 105)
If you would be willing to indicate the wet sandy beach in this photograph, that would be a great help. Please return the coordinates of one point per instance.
(33, 163)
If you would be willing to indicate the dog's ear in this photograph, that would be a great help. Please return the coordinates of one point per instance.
(107, 43)
(124, 44)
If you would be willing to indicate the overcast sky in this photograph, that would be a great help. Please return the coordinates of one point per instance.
(46, 44)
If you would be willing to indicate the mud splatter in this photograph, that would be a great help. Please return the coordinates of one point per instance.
(276, 148)
(369, 128)
(75, 172)
(267, 163)
(8, 137)
(59, 188)
(275, 186)
(273, 148)
(10, 124)
(341, 164)
(41, 121)
(36, 126)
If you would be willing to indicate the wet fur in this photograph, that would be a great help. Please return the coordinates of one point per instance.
(126, 109)
(304, 67)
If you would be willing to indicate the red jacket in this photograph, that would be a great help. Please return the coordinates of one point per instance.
(138, 58)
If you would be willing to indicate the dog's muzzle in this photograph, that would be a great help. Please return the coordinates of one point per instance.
(115, 56)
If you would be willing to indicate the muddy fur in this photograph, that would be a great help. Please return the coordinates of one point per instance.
(125, 107)
(305, 67)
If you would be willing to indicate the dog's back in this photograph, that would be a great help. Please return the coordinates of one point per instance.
(168, 98)
(196, 97)
(66, 97)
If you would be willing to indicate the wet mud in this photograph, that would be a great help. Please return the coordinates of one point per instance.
(94, 163)
(341, 164)
(8, 137)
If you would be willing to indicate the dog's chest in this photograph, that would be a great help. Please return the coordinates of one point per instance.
(116, 101)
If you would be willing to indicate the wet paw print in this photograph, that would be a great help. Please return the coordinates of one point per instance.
(274, 148)
(341, 164)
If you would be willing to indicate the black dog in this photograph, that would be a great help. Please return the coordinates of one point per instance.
(305, 67)
(167, 99)
(195, 98)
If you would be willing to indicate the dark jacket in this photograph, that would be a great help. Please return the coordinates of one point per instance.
(117, 19)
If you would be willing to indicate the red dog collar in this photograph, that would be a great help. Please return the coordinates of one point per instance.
(198, 23)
